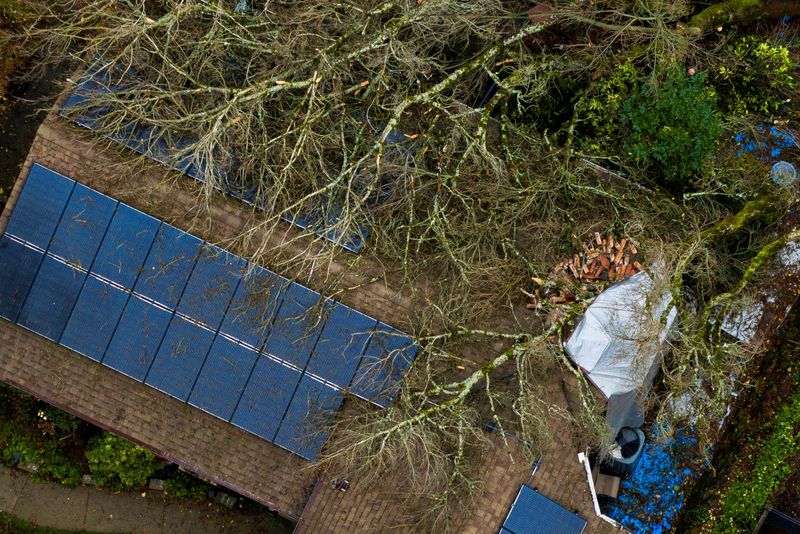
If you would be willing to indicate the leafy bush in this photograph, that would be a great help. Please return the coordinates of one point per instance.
(185, 486)
(673, 126)
(755, 76)
(57, 421)
(119, 464)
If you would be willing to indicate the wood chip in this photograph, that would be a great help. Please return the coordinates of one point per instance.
(637, 265)
(597, 238)
(604, 261)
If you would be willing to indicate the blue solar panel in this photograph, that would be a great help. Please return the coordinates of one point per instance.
(82, 226)
(266, 398)
(51, 298)
(533, 513)
(168, 266)
(94, 318)
(339, 348)
(296, 327)
(306, 425)
(18, 267)
(125, 246)
(137, 338)
(388, 356)
(178, 362)
(39, 207)
(210, 288)
(254, 306)
(223, 378)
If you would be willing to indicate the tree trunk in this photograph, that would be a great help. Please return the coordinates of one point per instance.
(741, 12)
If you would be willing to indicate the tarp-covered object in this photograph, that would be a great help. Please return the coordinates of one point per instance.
(618, 344)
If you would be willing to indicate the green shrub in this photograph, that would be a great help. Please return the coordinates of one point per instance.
(600, 112)
(185, 486)
(54, 464)
(119, 464)
(755, 76)
(673, 126)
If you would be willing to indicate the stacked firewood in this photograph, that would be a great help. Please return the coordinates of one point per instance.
(603, 258)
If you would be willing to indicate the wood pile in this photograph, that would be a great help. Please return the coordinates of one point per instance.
(602, 259)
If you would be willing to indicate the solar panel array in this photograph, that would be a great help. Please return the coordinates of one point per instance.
(533, 513)
(146, 141)
(187, 318)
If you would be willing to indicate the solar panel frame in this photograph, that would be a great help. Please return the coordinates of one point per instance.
(306, 425)
(266, 397)
(533, 513)
(249, 318)
(51, 298)
(127, 242)
(168, 266)
(19, 265)
(180, 357)
(340, 346)
(83, 226)
(297, 325)
(223, 378)
(388, 356)
(39, 207)
(94, 318)
(137, 338)
(211, 286)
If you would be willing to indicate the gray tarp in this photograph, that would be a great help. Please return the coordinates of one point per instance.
(619, 342)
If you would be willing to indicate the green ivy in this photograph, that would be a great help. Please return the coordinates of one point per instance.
(673, 126)
(743, 502)
(119, 464)
(755, 76)
(22, 447)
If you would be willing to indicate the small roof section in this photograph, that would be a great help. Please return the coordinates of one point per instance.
(533, 513)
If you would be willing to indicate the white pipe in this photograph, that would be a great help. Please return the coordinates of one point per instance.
(585, 461)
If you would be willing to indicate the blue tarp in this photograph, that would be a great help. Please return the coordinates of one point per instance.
(649, 501)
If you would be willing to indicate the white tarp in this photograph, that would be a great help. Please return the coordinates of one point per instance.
(619, 342)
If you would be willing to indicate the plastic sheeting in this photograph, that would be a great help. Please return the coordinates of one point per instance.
(618, 344)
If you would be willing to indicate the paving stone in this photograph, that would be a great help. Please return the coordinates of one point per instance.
(117, 512)
(12, 483)
(49, 505)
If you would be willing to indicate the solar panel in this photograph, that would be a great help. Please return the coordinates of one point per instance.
(266, 397)
(39, 207)
(533, 513)
(137, 338)
(179, 359)
(94, 318)
(254, 306)
(168, 265)
(223, 378)
(140, 332)
(296, 327)
(388, 356)
(18, 267)
(210, 288)
(306, 425)
(82, 226)
(51, 298)
(125, 247)
(341, 344)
